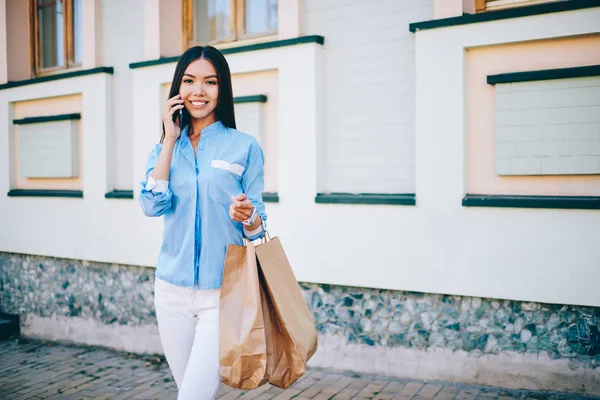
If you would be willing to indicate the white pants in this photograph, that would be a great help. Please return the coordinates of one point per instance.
(188, 324)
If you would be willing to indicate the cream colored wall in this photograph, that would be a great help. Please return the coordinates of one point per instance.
(291, 19)
(530, 56)
(92, 34)
(18, 40)
(42, 107)
(263, 82)
(152, 39)
(122, 39)
(171, 34)
(447, 8)
(3, 44)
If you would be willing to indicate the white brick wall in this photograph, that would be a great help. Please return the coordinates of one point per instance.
(122, 43)
(548, 127)
(368, 92)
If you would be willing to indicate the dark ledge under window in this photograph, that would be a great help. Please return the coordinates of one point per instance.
(66, 75)
(240, 49)
(45, 193)
(46, 118)
(545, 74)
(516, 12)
(564, 202)
(128, 194)
(270, 197)
(119, 194)
(258, 98)
(406, 199)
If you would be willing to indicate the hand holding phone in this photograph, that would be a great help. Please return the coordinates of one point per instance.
(173, 130)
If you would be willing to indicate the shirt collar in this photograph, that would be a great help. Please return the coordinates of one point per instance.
(212, 129)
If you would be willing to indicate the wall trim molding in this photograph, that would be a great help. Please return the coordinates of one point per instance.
(517, 12)
(270, 197)
(406, 199)
(119, 194)
(257, 98)
(545, 74)
(240, 49)
(46, 118)
(517, 201)
(45, 193)
(66, 75)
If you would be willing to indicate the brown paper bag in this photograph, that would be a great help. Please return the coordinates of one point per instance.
(242, 342)
(290, 330)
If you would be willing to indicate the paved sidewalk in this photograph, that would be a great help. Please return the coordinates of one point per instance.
(31, 369)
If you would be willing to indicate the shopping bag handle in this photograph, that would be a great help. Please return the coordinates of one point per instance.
(266, 238)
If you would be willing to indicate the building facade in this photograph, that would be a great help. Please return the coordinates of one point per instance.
(432, 170)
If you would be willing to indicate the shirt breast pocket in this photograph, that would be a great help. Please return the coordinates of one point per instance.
(225, 180)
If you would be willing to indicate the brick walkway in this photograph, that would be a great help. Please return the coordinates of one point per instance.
(31, 369)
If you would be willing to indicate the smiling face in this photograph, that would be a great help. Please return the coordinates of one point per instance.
(200, 90)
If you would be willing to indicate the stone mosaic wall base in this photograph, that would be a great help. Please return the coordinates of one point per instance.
(464, 339)
(474, 325)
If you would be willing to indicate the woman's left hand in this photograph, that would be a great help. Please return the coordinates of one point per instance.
(240, 208)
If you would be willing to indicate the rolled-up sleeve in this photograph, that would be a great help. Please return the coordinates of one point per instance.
(157, 201)
(253, 185)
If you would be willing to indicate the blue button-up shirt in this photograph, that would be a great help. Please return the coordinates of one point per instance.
(195, 205)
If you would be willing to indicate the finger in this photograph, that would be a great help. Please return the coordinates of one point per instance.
(241, 216)
(241, 203)
(175, 108)
(246, 205)
(236, 218)
(235, 202)
(173, 101)
(236, 214)
(241, 197)
(243, 210)
(235, 211)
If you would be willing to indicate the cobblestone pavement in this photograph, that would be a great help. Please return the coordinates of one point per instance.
(32, 369)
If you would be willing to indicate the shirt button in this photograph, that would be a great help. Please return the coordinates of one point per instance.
(201, 147)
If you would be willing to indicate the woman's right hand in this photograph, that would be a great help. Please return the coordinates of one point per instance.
(172, 129)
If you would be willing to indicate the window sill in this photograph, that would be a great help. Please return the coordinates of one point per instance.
(119, 194)
(258, 98)
(45, 193)
(65, 75)
(518, 12)
(406, 199)
(270, 197)
(57, 70)
(239, 49)
(508, 201)
(47, 118)
(530, 76)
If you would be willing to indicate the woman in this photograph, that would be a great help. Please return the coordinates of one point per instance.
(206, 179)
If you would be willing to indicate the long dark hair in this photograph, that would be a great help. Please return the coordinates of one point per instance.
(224, 110)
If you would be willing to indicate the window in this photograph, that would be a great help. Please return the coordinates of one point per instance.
(218, 21)
(57, 36)
(491, 5)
